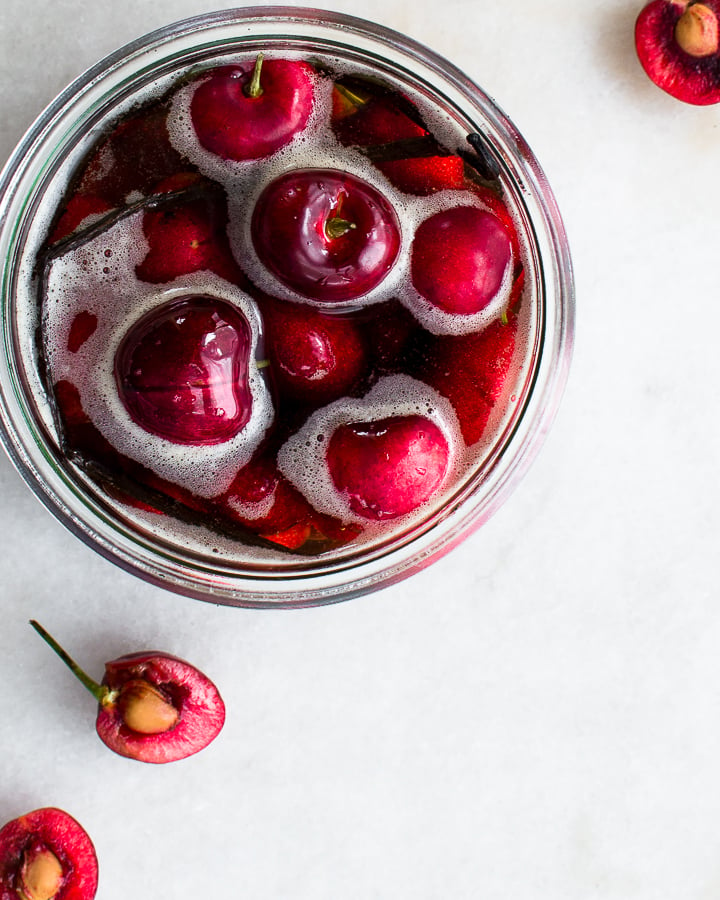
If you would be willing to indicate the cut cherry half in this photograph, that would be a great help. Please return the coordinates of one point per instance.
(182, 371)
(326, 234)
(250, 111)
(389, 467)
(461, 259)
(678, 45)
(152, 707)
(47, 855)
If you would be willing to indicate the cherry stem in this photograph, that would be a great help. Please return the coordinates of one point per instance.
(254, 88)
(337, 227)
(97, 690)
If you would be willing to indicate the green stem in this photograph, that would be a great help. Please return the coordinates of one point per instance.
(98, 691)
(254, 89)
(337, 227)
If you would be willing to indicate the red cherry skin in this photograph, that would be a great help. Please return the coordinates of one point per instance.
(235, 126)
(52, 830)
(389, 467)
(188, 237)
(201, 711)
(460, 258)
(292, 231)
(314, 357)
(181, 371)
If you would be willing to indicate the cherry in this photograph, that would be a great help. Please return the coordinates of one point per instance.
(45, 854)
(388, 467)
(326, 234)
(460, 259)
(152, 707)
(314, 357)
(186, 237)
(182, 371)
(248, 112)
(678, 45)
(470, 370)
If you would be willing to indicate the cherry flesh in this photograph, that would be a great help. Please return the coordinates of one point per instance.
(152, 707)
(250, 111)
(460, 259)
(182, 371)
(390, 467)
(326, 234)
(44, 855)
(678, 45)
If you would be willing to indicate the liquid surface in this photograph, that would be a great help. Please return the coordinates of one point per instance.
(203, 373)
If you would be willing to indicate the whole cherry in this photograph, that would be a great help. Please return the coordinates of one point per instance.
(678, 45)
(250, 111)
(461, 259)
(182, 371)
(152, 707)
(388, 467)
(47, 855)
(313, 356)
(326, 234)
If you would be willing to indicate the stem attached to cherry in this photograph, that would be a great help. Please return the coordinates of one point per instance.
(254, 88)
(99, 691)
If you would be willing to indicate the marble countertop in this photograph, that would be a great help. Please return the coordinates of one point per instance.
(535, 716)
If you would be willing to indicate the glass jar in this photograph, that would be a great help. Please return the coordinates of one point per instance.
(183, 553)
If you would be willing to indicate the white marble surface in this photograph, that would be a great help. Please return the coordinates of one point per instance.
(536, 716)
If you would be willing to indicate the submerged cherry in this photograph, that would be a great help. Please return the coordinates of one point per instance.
(46, 855)
(678, 45)
(182, 371)
(388, 467)
(461, 259)
(153, 707)
(250, 111)
(326, 234)
(314, 357)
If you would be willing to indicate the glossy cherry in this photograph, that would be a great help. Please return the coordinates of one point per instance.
(152, 706)
(250, 111)
(388, 467)
(678, 45)
(326, 234)
(182, 371)
(460, 259)
(46, 855)
(313, 356)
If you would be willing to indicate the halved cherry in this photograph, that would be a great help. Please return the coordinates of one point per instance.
(152, 706)
(47, 855)
(678, 45)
